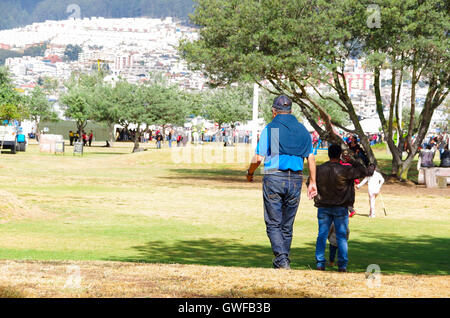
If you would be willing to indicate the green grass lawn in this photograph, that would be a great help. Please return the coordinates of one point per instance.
(114, 205)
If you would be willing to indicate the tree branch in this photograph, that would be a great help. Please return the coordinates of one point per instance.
(343, 128)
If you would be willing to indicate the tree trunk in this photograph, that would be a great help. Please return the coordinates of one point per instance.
(38, 132)
(403, 170)
(369, 152)
(137, 137)
(112, 138)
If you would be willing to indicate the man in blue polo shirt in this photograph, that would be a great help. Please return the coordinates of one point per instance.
(283, 145)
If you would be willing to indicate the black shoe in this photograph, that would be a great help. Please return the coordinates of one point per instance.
(342, 270)
(284, 264)
(321, 268)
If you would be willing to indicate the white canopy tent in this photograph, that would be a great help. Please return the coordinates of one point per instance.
(308, 126)
(371, 126)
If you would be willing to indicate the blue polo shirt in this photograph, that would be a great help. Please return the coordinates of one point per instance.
(274, 162)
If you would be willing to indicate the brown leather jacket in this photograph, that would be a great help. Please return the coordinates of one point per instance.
(335, 183)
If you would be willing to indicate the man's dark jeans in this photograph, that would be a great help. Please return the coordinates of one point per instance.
(281, 191)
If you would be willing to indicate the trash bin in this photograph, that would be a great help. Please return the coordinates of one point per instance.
(442, 182)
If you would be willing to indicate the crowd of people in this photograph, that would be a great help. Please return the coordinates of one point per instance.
(231, 135)
(159, 136)
(431, 145)
(373, 138)
(87, 139)
(181, 136)
(125, 134)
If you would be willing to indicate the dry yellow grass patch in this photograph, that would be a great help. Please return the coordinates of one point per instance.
(13, 208)
(114, 279)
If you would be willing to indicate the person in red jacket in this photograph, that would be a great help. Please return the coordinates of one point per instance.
(91, 137)
(84, 137)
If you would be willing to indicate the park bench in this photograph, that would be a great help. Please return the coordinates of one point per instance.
(431, 176)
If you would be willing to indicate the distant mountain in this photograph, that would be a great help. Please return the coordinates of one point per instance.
(16, 13)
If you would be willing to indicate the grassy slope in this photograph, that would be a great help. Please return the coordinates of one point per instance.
(114, 206)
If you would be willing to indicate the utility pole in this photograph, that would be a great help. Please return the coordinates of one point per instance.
(255, 116)
(255, 110)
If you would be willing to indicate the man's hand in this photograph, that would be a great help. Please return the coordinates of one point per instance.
(312, 190)
(256, 161)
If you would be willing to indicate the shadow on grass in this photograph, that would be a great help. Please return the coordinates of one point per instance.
(385, 166)
(394, 254)
(88, 153)
(227, 175)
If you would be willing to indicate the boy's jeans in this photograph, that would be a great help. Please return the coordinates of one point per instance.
(333, 250)
(281, 192)
(338, 215)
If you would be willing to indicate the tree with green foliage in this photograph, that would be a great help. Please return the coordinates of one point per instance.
(90, 98)
(227, 105)
(13, 105)
(11, 112)
(106, 108)
(78, 106)
(80, 98)
(5, 54)
(71, 52)
(276, 45)
(301, 48)
(36, 50)
(413, 44)
(49, 85)
(5, 77)
(40, 109)
(140, 105)
(130, 108)
(165, 104)
(194, 102)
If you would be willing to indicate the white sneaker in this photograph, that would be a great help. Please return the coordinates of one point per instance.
(371, 215)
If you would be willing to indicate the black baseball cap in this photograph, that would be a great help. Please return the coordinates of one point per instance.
(283, 103)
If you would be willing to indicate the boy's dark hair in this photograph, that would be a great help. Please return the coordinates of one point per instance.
(334, 152)
(371, 169)
(429, 147)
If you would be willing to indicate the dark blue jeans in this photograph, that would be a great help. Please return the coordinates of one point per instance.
(281, 192)
(333, 250)
(326, 216)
